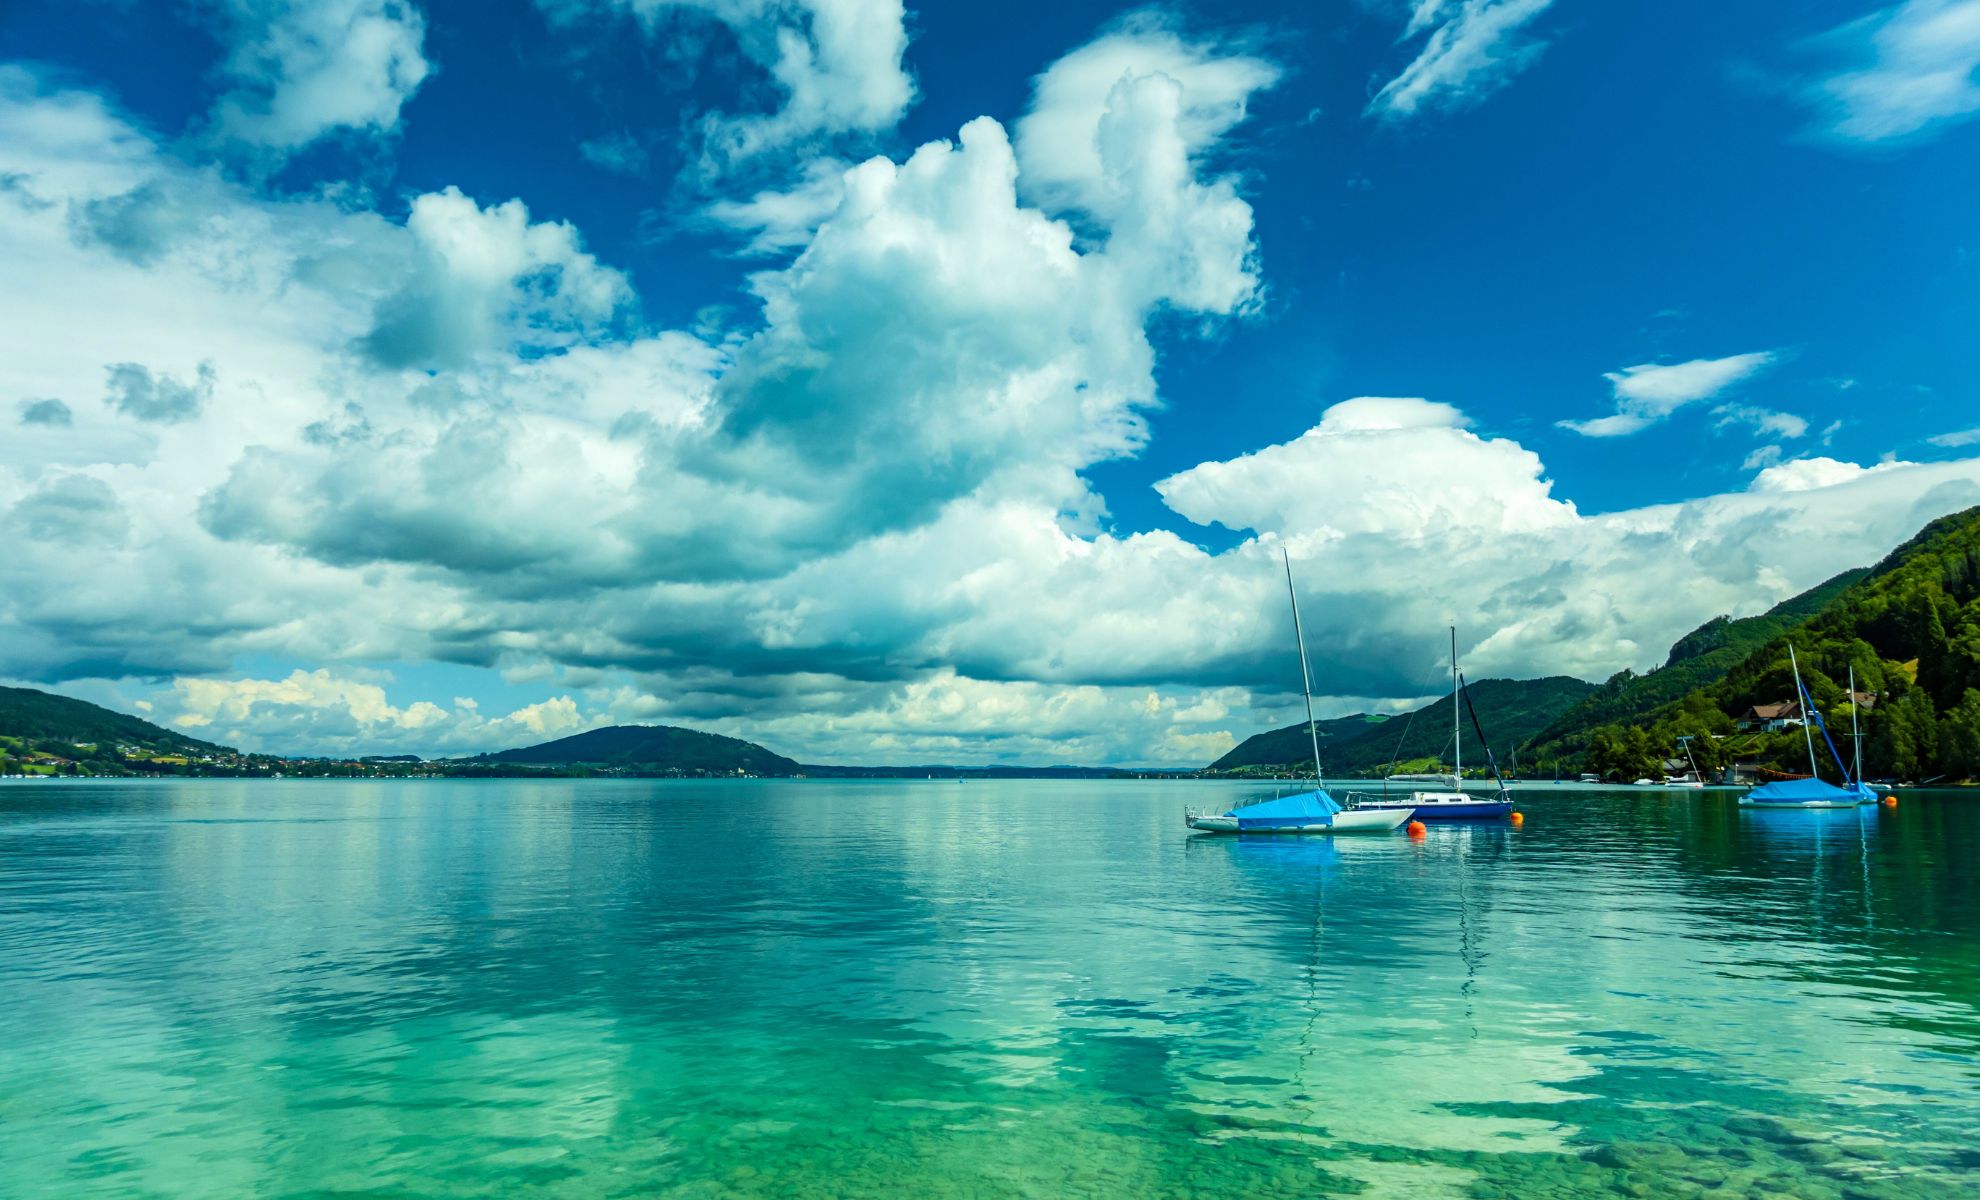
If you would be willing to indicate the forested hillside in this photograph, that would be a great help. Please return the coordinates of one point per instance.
(1910, 629)
(1698, 659)
(1511, 710)
(43, 732)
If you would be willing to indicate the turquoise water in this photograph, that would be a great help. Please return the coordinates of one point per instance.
(622, 988)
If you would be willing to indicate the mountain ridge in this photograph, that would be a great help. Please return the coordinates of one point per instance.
(1509, 709)
(655, 747)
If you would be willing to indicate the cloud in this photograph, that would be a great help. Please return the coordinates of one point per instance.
(136, 392)
(1762, 420)
(1812, 474)
(76, 512)
(1763, 456)
(46, 412)
(937, 339)
(836, 64)
(1916, 71)
(1956, 439)
(489, 279)
(1060, 139)
(1474, 48)
(1650, 392)
(300, 70)
(1410, 486)
(621, 153)
(339, 713)
(781, 220)
(861, 511)
(1550, 588)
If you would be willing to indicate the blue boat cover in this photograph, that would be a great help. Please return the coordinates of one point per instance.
(1303, 808)
(1801, 791)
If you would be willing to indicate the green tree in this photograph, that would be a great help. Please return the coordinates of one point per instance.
(1904, 740)
(1959, 738)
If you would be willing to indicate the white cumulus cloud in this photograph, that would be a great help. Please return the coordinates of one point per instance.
(300, 70)
(341, 712)
(490, 279)
(836, 64)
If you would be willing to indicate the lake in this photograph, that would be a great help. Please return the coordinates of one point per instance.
(981, 989)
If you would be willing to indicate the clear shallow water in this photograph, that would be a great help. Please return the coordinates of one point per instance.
(620, 988)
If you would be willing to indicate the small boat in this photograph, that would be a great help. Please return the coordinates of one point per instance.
(1690, 779)
(1814, 791)
(1444, 799)
(1303, 812)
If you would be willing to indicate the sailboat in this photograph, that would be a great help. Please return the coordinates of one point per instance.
(1814, 791)
(1444, 799)
(1693, 780)
(1303, 812)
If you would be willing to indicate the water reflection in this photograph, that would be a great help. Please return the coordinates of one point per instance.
(776, 989)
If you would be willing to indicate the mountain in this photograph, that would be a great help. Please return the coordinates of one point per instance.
(41, 723)
(1909, 628)
(1291, 744)
(1697, 659)
(1511, 710)
(655, 748)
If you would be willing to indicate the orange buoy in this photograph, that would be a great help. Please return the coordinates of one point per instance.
(1890, 802)
(1415, 829)
(1518, 819)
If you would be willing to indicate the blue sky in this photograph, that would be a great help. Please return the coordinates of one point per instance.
(939, 383)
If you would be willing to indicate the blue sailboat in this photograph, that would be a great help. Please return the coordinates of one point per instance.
(1814, 791)
(1303, 812)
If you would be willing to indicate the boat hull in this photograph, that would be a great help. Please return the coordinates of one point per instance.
(1483, 810)
(1350, 821)
(1807, 793)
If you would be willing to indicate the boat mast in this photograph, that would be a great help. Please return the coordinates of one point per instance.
(1457, 732)
(1855, 730)
(1801, 702)
(1305, 677)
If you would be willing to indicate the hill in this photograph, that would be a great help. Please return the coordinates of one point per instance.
(1278, 747)
(1698, 659)
(1511, 710)
(660, 749)
(40, 726)
(1909, 628)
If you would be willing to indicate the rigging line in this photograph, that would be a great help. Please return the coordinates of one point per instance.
(1395, 759)
(1490, 758)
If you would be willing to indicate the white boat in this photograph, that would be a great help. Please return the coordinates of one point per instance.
(1303, 812)
(1691, 779)
(1296, 814)
(1444, 799)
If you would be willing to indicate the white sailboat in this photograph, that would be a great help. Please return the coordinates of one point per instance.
(1303, 812)
(1444, 797)
(1694, 779)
